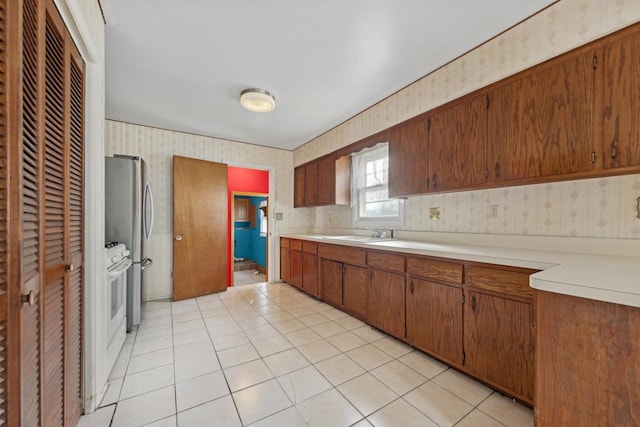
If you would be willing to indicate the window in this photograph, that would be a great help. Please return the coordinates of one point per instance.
(370, 179)
(263, 218)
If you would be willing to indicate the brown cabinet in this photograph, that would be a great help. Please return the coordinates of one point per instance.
(285, 260)
(321, 182)
(434, 308)
(326, 181)
(457, 140)
(311, 183)
(354, 290)
(344, 278)
(385, 301)
(296, 263)
(241, 209)
(539, 123)
(298, 186)
(587, 362)
(331, 286)
(408, 150)
(617, 94)
(499, 330)
(310, 268)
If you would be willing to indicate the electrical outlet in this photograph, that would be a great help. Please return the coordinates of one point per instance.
(492, 212)
(434, 214)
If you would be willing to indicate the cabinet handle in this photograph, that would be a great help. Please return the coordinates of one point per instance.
(435, 184)
(497, 170)
(614, 150)
(411, 287)
(474, 303)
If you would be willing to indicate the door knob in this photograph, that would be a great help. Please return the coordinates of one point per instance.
(178, 237)
(69, 267)
(29, 298)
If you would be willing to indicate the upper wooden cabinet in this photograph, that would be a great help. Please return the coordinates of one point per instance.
(408, 152)
(618, 100)
(241, 209)
(322, 182)
(298, 186)
(457, 140)
(311, 184)
(539, 123)
(326, 180)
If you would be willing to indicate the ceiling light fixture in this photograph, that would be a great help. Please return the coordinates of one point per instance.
(257, 100)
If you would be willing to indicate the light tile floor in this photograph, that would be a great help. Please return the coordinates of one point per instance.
(269, 355)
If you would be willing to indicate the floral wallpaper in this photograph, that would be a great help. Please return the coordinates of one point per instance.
(588, 208)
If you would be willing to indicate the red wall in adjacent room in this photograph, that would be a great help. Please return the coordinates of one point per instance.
(246, 181)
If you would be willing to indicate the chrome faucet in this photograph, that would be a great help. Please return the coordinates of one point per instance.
(380, 234)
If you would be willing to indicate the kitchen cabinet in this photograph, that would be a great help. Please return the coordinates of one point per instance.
(434, 303)
(617, 94)
(587, 362)
(499, 329)
(310, 268)
(354, 290)
(343, 278)
(539, 122)
(385, 301)
(408, 150)
(331, 288)
(285, 260)
(457, 140)
(298, 186)
(326, 181)
(321, 182)
(296, 263)
(311, 184)
(241, 209)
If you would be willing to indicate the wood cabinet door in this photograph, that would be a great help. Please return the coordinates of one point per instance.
(386, 302)
(285, 264)
(540, 125)
(298, 186)
(434, 319)
(310, 273)
(331, 281)
(240, 209)
(354, 290)
(408, 152)
(296, 268)
(498, 342)
(617, 106)
(457, 140)
(311, 184)
(327, 181)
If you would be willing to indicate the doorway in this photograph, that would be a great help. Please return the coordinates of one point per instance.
(249, 233)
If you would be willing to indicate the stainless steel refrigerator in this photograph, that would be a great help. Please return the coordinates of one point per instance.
(129, 220)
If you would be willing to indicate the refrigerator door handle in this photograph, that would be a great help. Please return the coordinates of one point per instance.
(148, 201)
(146, 263)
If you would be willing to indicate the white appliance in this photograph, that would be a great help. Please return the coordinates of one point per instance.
(117, 262)
(129, 220)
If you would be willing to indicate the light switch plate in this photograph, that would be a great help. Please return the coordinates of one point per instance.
(492, 213)
(279, 216)
(434, 214)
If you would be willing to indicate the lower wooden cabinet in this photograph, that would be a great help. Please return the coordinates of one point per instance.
(296, 268)
(285, 260)
(385, 302)
(434, 319)
(310, 268)
(331, 287)
(354, 290)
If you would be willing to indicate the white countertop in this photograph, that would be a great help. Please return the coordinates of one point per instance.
(613, 279)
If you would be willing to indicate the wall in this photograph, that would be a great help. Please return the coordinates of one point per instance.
(157, 146)
(588, 208)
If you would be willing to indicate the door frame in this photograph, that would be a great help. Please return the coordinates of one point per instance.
(231, 229)
(271, 221)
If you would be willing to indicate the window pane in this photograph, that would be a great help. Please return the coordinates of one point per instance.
(383, 208)
(376, 195)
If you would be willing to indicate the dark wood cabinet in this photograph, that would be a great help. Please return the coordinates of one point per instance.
(311, 183)
(354, 290)
(322, 182)
(408, 150)
(540, 122)
(457, 140)
(285, 260)
(296, 263)
(434, 319)
(617, 94)
(326, 181)
(299, 187)
(499, 330)
(587, 362)
(310, 268)
(331, 287)
(385, 301)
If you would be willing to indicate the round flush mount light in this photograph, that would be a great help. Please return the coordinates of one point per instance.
(257, 100)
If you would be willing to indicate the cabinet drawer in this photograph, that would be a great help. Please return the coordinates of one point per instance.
(296, 245)
(345, 254)
(509, 282)
(309, 247)
(285, 243)
(435, 270)
(386, 261)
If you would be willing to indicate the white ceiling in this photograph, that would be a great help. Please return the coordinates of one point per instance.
(181, 65)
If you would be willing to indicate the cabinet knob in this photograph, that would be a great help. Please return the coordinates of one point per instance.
(411, 287)
(435, 184)
(474, 303)
(178, 237)
(69, 267)
(497, 170)
(29, 298)
(614, 150)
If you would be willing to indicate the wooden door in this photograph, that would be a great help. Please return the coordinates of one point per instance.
(199, 227)
(540, 124)
(331, 277)
(434, 319)
(327, 181)
(354, 290)
(617, 94)
(296, 263)
(385, 301)
(310, 273)
(498, 342)
(285, 260)
(457, 137)
(311, 184)
(408, 158)
(298, 187)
